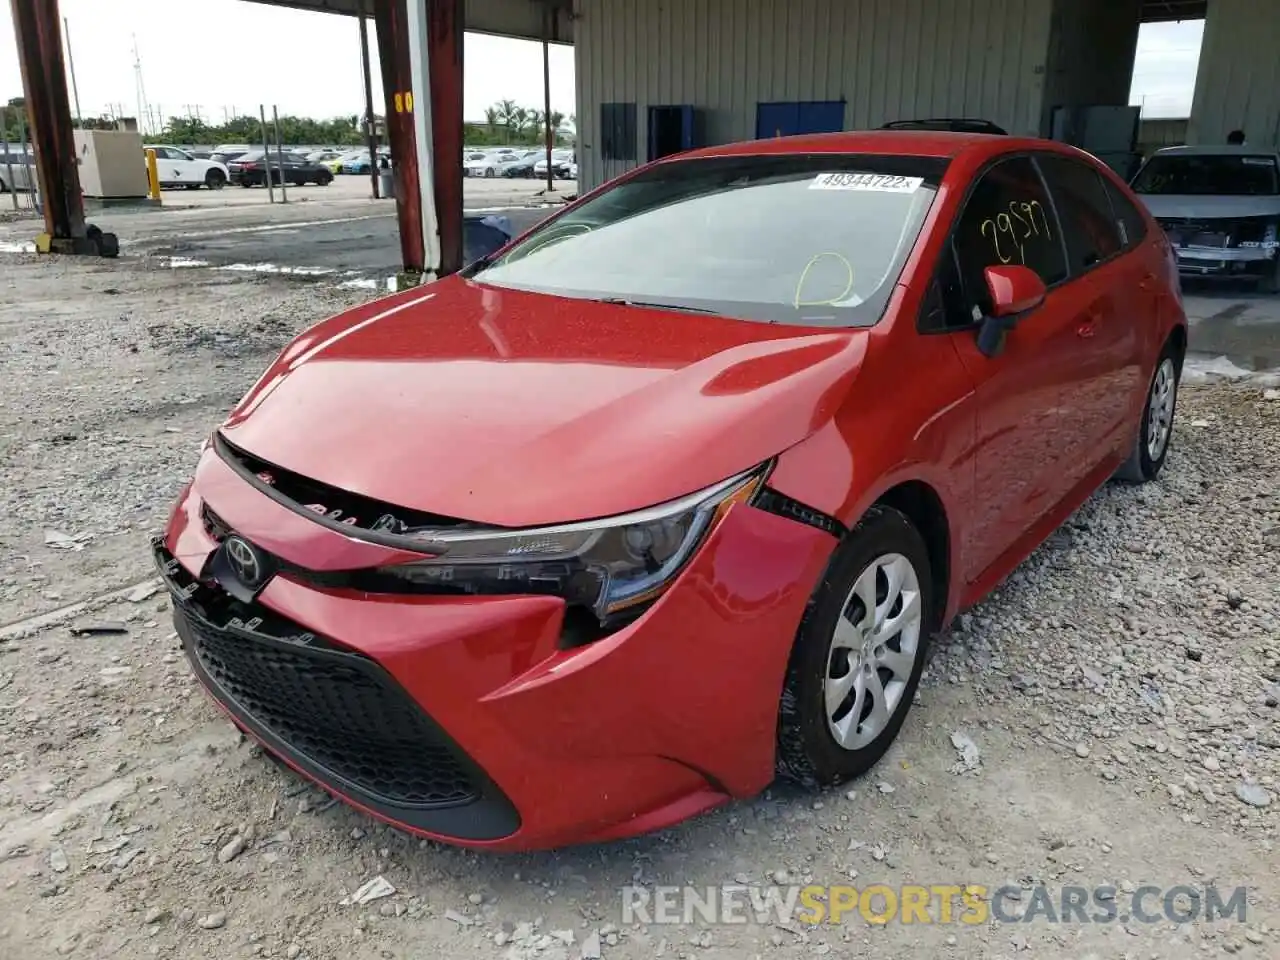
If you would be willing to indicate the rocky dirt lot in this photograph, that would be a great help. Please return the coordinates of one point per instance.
(1108, 719)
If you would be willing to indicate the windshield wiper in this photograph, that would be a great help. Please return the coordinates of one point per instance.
(628, 302)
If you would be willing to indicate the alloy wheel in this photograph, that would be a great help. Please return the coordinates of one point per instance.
(873, 651)
(1164, 390)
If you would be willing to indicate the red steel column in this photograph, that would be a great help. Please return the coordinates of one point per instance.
(397, 86)
(444, 76)
(37, 29)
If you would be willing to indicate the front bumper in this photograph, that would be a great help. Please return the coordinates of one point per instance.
(1226, 261)
(465, 718)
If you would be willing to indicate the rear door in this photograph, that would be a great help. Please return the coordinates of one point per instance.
(1028, 440)
(1110, 286)
(166, 168)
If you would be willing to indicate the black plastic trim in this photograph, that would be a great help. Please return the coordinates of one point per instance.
(491, 816)
(234, 458)
(771, 501)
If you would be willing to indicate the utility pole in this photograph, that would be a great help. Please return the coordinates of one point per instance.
(140, 89)
(547, 14)
(71, 66)
(368, 105)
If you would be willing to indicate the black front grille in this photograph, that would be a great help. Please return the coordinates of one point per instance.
(333, 708)
(337, 715)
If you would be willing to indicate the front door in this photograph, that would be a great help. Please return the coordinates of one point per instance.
(1118, 293)
(1027, 436)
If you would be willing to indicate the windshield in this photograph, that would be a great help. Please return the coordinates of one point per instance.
(1209, 175)
(808, 240)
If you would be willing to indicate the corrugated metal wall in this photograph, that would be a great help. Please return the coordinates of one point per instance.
(889, 59)
(1238, 83)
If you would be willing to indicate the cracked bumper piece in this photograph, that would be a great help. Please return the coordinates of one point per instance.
(466, 719)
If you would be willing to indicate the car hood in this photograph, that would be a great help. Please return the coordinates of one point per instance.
(1175, 207)
(515, 409)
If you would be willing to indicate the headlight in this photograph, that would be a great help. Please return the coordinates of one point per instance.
(602, 565)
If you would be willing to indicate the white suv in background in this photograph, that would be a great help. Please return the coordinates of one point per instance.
(177, 168)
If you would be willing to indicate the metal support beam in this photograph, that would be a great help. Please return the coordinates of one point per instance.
(370, 137)
(420, 48)
(445, 41)
(420, 81)
(37, 29)
(390, 20)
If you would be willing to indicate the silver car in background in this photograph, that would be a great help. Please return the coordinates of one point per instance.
(1220, 206)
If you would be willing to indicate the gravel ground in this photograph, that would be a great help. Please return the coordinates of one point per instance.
(1108, 718)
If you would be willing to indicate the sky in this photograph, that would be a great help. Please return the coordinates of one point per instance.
(220, 55)
(225, 56)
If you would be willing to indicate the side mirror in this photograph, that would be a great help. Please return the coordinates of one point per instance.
(1014, 290)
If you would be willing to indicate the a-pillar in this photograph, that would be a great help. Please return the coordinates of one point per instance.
(420, 49)
(37, 29)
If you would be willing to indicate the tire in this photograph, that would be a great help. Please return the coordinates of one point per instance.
(1271, 282)
(490, 172)
(884, 542)
(1147, 458)
(215, 180)
(4, 188)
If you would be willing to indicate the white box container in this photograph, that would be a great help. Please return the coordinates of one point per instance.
(112, 164)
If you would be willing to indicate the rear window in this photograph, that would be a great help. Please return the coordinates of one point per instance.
(1209, 175)
(808, 240)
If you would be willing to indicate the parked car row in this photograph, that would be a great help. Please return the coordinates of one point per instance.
(513, 162)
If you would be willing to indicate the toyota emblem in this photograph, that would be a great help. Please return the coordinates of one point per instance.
(244, 561)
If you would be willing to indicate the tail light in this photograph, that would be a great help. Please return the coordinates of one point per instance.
(250, 166)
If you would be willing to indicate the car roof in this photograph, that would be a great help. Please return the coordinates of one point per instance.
(907, 143)
(1214, 150)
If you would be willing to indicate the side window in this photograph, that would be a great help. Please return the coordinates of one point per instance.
(1007, 219)
(1133, 228)
(1088, 222)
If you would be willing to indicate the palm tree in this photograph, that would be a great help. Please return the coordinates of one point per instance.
(510, 114)
(492, 117)
(557, 120)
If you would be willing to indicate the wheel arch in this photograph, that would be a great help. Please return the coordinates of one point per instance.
(920, 503)
(1178, 340)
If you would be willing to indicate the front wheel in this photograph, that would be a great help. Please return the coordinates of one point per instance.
(1155, 431)
(215, 180)
(858, 654)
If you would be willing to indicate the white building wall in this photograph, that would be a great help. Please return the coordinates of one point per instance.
(1238, 83)
(888, 59)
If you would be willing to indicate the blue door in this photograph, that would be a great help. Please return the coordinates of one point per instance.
(671, 130)
(787, 119)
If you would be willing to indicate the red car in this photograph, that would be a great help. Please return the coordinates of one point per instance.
(667, 497)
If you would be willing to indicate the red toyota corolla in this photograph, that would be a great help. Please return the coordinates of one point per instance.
(667, 497)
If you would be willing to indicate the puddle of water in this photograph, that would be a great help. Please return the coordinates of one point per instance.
(390, 284)
(272, 268)
(1208, 368)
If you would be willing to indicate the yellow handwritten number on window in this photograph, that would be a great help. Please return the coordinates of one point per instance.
(1009, 232)
(804, 275)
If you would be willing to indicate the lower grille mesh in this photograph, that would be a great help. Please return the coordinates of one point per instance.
(337, 710)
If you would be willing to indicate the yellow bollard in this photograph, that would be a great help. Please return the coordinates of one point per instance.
(153, 176)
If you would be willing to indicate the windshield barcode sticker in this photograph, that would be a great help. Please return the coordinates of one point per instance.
(874, 182)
